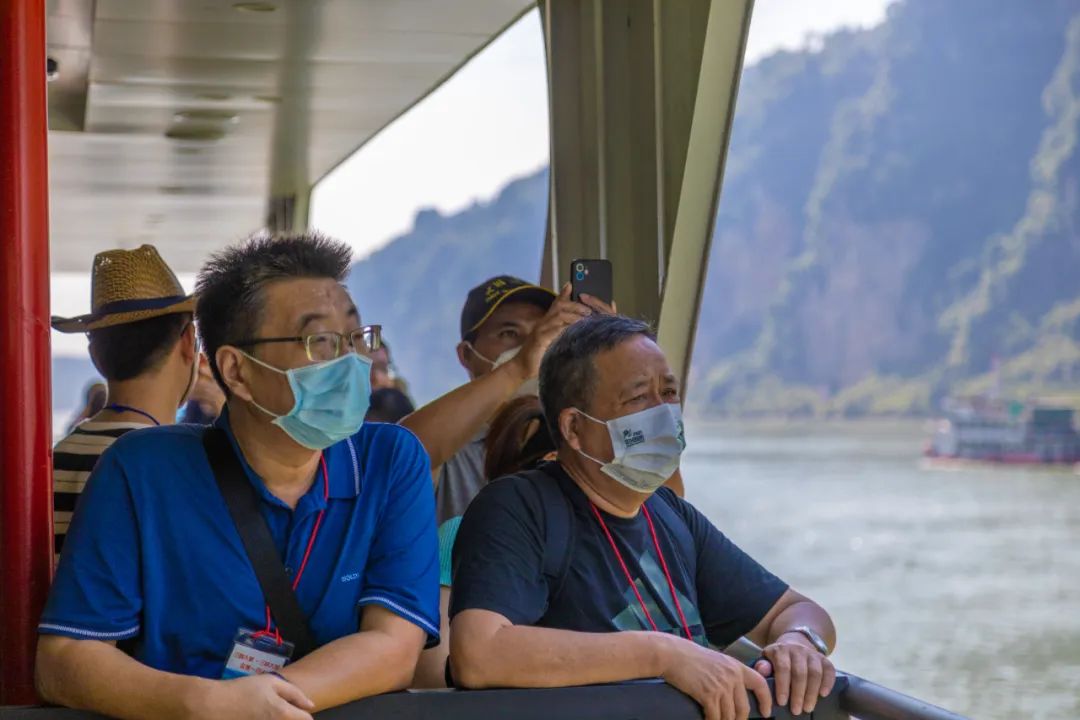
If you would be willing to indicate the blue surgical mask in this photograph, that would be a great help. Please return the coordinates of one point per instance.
(330, 400)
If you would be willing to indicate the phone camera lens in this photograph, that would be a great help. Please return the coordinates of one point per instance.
(580, 267)
(580, 276)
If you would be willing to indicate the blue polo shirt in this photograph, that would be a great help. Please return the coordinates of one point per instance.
(153, 557)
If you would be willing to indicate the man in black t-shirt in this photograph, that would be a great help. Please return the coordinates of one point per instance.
(550, 563)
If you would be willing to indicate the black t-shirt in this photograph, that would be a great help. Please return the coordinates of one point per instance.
(499, 566)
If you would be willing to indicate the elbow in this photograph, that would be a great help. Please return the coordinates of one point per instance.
(470, 664)
(401, 680)
(402, 677)
(402, 668)
(47, 669)
(469, 674)
(478, 655)
(43, 684)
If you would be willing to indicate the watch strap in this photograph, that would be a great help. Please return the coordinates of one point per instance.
(813, 637)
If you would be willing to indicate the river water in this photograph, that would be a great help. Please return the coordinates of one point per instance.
(959, 586)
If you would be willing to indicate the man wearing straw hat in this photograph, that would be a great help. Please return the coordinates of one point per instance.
(142, 341)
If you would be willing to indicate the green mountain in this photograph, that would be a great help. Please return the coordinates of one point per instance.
(899, 210)
(416, 285)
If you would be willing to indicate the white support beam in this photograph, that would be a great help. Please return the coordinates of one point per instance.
(688, 255)
(641, 94)
(290, 142)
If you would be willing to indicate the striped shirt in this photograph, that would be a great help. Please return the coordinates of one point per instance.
(73, 459)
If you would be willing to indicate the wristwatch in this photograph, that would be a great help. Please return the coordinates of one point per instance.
(812, 636)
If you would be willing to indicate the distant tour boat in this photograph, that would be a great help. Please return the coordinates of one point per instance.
(1014, 433)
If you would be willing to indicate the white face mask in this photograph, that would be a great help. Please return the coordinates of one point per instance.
(647, 447)
(503, 357)
(530, 386)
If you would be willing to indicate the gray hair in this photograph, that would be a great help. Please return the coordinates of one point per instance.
(567, 372)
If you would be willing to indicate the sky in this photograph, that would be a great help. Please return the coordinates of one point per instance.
(488, 124)
(484, 127)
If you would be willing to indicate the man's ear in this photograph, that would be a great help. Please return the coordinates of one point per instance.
(569, 424)
(187, 344)
(230, 365)
(465, 354)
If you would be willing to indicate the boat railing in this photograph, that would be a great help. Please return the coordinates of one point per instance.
(869, 701)
(852, 697)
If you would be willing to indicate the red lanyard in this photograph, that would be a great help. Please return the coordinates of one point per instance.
(303, 563)
(630, 579)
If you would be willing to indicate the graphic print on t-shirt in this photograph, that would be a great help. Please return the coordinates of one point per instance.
(656, 593)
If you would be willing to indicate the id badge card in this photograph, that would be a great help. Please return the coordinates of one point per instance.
(255, 654)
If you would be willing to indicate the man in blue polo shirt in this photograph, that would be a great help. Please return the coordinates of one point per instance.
(155, 600)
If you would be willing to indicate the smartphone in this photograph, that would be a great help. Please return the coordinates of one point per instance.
(591, 277)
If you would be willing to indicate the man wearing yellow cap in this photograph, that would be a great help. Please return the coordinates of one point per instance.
(142, 341)
(506, 324)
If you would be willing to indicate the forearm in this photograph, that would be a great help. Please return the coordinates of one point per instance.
(93, 675)
(367, 663)
(446, 424)
(524, 656)
(803, 613)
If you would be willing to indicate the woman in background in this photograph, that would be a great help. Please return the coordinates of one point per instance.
(518, 439)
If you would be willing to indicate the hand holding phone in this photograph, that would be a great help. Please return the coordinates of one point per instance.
(591, 277)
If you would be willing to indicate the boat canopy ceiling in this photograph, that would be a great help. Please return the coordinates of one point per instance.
(174, 122)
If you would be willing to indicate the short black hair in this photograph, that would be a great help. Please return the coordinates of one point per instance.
(567, 372)
(123, 352)
(388, 405)
(231, 283)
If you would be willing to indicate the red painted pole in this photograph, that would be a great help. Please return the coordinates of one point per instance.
(25, 402)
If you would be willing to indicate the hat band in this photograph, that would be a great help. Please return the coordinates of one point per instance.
(123, 306)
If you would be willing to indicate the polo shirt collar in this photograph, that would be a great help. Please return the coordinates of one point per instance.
(342, 468)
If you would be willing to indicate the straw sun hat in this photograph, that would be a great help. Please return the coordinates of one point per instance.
(128, 286)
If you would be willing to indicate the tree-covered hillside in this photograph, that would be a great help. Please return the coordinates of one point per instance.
(900, 208)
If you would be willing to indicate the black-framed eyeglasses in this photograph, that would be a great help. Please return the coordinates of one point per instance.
(323, 346)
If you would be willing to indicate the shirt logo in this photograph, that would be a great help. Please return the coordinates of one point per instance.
(350, 577)
(631, 438)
